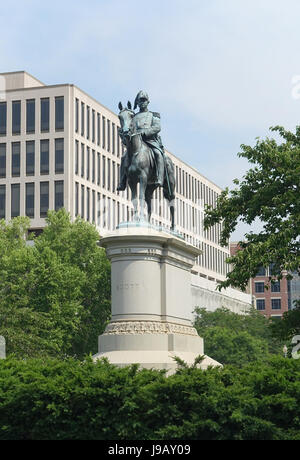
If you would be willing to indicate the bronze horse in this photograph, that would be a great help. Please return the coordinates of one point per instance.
(142, 169)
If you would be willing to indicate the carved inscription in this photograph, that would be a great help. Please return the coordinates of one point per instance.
(126, 286)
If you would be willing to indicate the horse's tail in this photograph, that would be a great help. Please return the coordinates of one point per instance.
(169, 180)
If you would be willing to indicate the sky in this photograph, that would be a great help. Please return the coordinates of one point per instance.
(220, 72)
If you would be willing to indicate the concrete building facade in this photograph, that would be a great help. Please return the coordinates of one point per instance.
(59, 147)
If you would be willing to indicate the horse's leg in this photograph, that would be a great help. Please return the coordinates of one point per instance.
(133, 188)
(148, 197)
(172, 211)
(143, 185)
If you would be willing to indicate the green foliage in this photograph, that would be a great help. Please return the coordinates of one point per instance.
(289, 326)
(236, 339)
(269, 191)
(54, 294)
(68, 399)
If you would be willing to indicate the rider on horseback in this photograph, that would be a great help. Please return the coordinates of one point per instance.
(147, 124)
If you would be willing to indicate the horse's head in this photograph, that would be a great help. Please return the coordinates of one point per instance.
(125, 116)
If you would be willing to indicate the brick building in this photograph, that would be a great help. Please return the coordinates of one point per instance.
(271, 299)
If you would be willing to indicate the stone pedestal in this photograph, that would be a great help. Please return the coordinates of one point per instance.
(151, 298)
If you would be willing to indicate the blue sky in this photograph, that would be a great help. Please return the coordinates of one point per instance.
(219, 71)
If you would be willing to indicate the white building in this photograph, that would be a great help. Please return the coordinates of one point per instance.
(60, 147)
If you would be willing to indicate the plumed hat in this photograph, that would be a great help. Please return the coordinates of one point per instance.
(139, 95)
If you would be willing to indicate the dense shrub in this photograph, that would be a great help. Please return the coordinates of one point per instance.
(231, 338)
(56, 399)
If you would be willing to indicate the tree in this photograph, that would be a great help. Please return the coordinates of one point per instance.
(289, 326)
(236, 339)
(269, 191)
(55, 292)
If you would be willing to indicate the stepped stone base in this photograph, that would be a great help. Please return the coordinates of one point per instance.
(151, 277)
(152, 345)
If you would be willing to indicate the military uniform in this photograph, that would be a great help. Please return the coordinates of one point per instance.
(148, 125)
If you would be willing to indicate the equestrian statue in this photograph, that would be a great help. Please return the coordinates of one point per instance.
(144, 161)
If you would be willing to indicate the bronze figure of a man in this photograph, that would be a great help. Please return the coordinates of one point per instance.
(147, 124)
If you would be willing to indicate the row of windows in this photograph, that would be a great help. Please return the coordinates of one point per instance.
(261, 304)
(96, 207)
(96, 168)
(213, 259)
(30, 113)
(15, 154)
(30, 192)
(191, 219)
(193, 189)
(260, 286)
(97, 128)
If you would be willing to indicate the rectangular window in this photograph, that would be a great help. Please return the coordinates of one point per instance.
(118, 143)
(30, 116)
(103, 132)
(108, 174)
(93, 125)
(87, 122)
(87, 204)
(88, 163)
(44, 198)
(82, 201)
(44, 157)
(59, 194)
(29, 202)
(276, 304)
(76, 157)
(15, 200)
(3, 118)
(30, 158)
(259, 287)
(76, 115)
(76, 199)
(15, 159)
(93, 207)
(108, 135)
(98, 168)
(45, 114)
(82, 119)
(2, 201)
(113, 138)
(108, 213)
(98, 128)
(260, 304)
(261, 271)
(2, 160)
(16, 117)
(103, 172)
(59, 156)
(82, 160)
(113, 176)
(98, 208)
(59, 113)
(275, 286)
(93, 166)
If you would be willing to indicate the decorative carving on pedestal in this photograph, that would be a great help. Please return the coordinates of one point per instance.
(148, 327)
